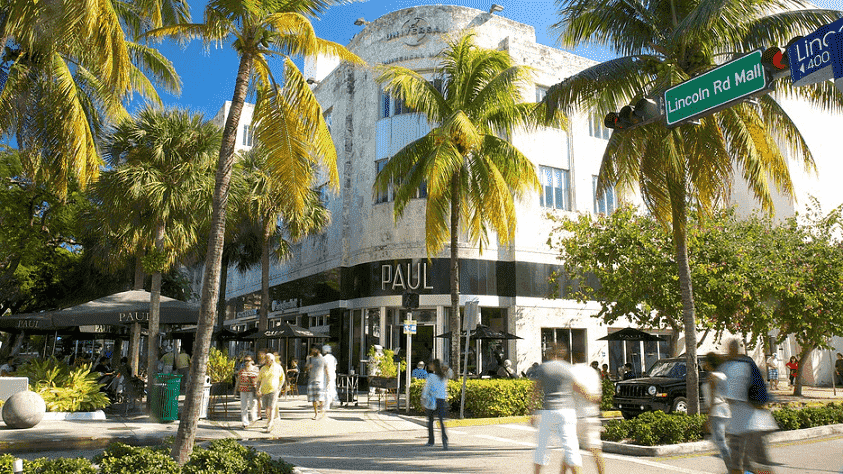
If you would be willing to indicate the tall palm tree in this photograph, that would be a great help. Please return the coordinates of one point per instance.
(68, 67)
(267, 203)
(163, 165)
(259, 30)
(692, 166)
(473, 173)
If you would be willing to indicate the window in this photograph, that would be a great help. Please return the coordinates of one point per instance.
(392, 106)
(574, 340)
(605, 204)
(328, 119)
(597, 129)
(382, 195)
(541, 92)
(247, 135)
(385, 105)
(556, 185)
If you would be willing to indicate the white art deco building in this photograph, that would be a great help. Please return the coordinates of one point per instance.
(347, 282)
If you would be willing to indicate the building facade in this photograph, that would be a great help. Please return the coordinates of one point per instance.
(346, 283)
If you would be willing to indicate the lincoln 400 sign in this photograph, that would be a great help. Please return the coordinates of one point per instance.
(715, 89)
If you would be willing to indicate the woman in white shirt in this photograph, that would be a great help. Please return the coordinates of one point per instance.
(435, 400)
(718, 408)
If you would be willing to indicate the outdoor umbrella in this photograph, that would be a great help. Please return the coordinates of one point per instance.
(284, 331)
(634, 335)
(30, 322)
(125, 308)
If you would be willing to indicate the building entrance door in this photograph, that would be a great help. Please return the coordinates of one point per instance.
(423, 344)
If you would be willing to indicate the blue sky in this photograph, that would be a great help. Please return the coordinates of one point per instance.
(208, 77)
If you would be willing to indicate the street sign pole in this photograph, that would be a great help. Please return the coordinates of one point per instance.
(471, 310)
(409, 330)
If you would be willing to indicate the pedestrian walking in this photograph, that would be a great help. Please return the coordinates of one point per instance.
(317, 374)
(434, 398)
(269, 381)
(793, 369)
(330, 376)
(182, 365)
(588, 412)
(749, 423)
(419, 372)
(555, 384)
(247, 387)
(773, 370)
(718, 409)
(165, 365)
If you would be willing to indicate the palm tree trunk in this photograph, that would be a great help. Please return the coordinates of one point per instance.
(263, 318)
(135, 332)
(803, 357)
(680, 240)
(221, 299)
(154, 314)
(183, 444)
(454, 322)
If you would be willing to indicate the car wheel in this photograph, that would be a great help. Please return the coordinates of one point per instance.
(680, 405)
(628, 415)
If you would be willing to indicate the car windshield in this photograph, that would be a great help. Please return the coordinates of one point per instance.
(672, 369)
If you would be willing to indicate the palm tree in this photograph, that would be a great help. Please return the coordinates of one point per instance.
(259, 30)
(267, 203)
(68, 67)
(692, 166)
(162, 168)
(473, 175)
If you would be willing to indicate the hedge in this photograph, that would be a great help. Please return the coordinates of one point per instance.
(224, 456)
(796, 419)
(484, 398)
(655, 428)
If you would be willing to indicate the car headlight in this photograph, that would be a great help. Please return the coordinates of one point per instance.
(651, 390)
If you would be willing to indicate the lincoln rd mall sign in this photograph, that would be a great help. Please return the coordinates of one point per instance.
(715, 90)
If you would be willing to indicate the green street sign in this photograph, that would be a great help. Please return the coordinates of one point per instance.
(715, 90)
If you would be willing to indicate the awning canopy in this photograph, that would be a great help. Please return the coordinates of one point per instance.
(122, 308)
(631, 334)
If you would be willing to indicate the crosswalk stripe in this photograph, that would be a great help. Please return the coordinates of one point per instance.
(518, 427)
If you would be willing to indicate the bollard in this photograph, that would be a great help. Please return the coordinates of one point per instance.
(18, 469)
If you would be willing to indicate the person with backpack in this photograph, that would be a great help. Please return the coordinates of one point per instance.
(746, 393)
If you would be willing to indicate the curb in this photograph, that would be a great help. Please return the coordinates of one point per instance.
(74, 416)
(703, 446)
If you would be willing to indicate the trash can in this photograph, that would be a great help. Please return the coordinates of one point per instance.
(206, 398)
(164, 397)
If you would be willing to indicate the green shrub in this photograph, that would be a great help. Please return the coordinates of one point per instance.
(220, 366)
(484, 398)
(228, 456)
(795, 418)
(119, 458)
(608, 399)
(62, 387)
(656, 428)
(60, 466)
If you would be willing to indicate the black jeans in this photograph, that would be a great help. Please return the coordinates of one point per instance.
(442, 411)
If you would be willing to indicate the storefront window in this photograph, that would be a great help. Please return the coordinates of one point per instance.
(573, 338)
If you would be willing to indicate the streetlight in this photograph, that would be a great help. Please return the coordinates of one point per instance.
(495, 8)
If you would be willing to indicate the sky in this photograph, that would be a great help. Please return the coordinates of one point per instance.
(208, 77)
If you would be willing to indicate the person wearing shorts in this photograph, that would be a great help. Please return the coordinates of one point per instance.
(318, 374)
(269, 380)
(588, 413)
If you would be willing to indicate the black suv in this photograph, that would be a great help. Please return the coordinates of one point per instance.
(661, 388)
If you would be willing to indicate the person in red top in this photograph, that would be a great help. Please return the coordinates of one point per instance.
(247, 382)
(792, 367)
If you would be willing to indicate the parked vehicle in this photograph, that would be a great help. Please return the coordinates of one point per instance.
(661, 388)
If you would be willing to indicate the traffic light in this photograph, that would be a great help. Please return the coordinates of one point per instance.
(410, 300)
(775, 62)
(644, 112)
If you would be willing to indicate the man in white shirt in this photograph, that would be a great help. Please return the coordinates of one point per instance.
(331, 376)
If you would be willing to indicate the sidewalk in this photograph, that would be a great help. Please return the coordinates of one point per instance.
(295, 425)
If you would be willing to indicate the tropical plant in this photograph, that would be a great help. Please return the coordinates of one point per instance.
(159, 184)
(62, 387)
(259, 30)
(266, 201)
(472, 171)
(67, 68)
(220, 366)
(665, 42)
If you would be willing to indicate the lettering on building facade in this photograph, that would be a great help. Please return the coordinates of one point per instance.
(414, 32)
(405, 276)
